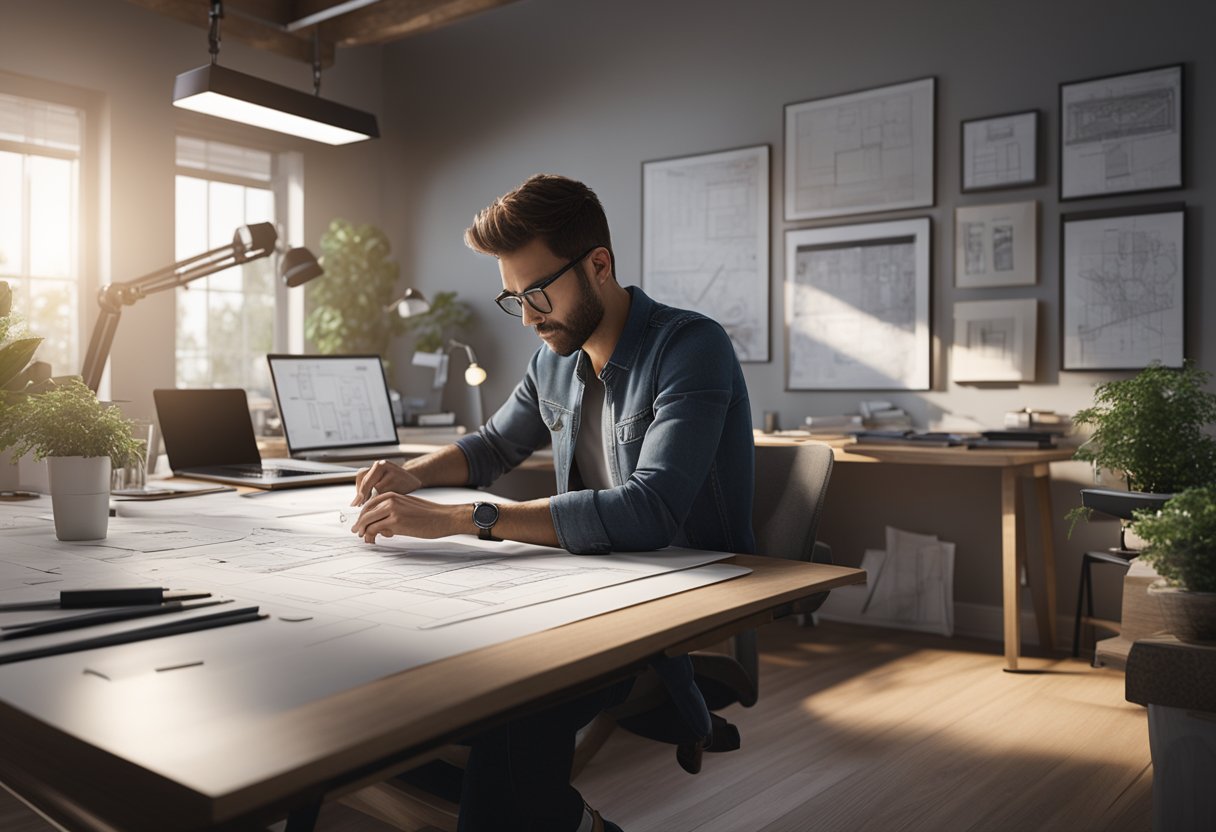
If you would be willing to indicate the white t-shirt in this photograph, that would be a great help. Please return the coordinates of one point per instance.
(589, 450)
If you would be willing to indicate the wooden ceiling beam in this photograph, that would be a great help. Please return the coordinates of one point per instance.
(391, 20)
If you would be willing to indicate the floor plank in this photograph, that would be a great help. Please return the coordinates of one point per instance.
(874, 729)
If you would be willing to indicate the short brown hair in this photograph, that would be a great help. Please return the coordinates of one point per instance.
(562, 212)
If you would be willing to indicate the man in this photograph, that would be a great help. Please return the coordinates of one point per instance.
(647, 412)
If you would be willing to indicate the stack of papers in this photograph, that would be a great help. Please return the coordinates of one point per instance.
(910, 586)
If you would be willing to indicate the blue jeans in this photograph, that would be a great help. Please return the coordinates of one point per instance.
(518, 775)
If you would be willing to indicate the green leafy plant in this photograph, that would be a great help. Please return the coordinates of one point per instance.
(347, 304)
(1181, 539)
(19, 373)
(431, 327)
(1152, 429)
(68, 420)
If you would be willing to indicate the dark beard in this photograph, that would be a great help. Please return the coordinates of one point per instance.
(570, 336)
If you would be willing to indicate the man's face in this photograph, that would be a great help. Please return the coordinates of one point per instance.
(577, 307)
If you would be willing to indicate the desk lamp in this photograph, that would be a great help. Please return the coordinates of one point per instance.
(250, 242)
(474, 376)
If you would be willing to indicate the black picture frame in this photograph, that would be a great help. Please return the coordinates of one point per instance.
(1004, 182)
(1135, 328)
(1092, 150)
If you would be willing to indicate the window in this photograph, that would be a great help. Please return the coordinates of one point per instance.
(226, 322)
(40, 149)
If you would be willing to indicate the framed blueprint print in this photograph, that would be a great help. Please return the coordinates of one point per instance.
(860, 153)
(996, 245)
(994, 340)
(857, 307)
(705, 240)
(1122, 288)
(1000, 152)
(1121, 133)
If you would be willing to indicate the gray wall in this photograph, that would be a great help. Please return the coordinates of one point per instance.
(592, 89)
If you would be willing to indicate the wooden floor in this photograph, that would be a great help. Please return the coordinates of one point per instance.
(872, 729)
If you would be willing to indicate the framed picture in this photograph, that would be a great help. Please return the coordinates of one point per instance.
(859, 153)
(705, 240)
(999, 152)
(996, 245)
(857, 306)
(1122, 275)
(1121, 134)
(994, 340)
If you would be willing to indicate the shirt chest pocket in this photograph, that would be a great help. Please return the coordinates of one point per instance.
(556, 419)
(632, 429)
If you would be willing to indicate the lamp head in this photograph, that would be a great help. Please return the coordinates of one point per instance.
(411, 302)
(474, 375)
(297, 266)
(249, 242)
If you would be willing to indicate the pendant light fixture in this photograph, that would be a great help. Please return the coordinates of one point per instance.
(225, 93)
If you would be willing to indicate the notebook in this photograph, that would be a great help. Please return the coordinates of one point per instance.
(334, 407)
(209, 436)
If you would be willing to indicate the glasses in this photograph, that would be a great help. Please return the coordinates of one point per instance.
(513, 302)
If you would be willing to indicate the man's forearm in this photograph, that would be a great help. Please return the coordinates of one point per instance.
(528, 522)
(445, 467)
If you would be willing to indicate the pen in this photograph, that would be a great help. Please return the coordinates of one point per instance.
(89, 619)
(202, 622)
(81, 598)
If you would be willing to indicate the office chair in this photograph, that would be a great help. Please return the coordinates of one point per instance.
(1120, 504)
(791, 483)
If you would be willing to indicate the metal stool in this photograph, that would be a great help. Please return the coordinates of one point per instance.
(1085, 590)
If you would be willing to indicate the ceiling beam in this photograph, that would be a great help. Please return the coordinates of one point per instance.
(390, 20)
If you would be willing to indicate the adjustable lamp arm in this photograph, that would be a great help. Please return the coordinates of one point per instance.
(250, 242)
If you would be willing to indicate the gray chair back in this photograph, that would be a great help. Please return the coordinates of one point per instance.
(791, 482)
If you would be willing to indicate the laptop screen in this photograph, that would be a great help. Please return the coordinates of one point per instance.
(332, 401)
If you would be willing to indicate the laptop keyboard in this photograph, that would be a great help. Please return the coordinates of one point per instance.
(254, 472)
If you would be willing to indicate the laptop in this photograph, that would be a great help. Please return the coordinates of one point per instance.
(335, 407)
(208, 435)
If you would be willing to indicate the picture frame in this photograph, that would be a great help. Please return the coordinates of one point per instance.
(994, 341)
(857, 305)
(999, 152)
(861, 152)
(1122, 286)
(705, 240)
(996, 245)
(1122, 133)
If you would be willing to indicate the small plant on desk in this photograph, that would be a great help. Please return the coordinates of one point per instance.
(1181, 540)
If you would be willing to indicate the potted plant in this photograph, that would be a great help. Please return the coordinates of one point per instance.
(81, 438)
(347, 309)
(1181, 545)
(1150, 430)
(19, 374)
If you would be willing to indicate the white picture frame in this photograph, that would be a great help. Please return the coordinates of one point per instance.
(705, 240)
(1122, 133)
(860, 153)
(996, 245)
(994, 341)
(857, 306)
(1122, 282)
(999, 152)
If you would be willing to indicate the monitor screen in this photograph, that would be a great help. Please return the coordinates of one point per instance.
(332, 401)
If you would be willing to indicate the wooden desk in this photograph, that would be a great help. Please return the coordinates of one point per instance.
(1013, 466)
(234, 771)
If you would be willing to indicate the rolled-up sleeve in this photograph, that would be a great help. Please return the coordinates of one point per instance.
(693, 391)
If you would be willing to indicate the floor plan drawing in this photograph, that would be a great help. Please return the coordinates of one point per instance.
(1122, 133)
(333, 400)
(1000, 152)
(1123, 283)
(705, 241)
(996, 245)
(870, 151)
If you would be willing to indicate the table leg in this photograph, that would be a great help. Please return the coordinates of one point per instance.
(1042, 487)
(1009, 566)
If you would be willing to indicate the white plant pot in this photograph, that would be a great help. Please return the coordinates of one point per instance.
(10, 474)
(32, 474)
(80, 496)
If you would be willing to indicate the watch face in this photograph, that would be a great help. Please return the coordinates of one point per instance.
(485, 515)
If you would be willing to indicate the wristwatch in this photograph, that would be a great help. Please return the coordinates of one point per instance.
(485, 515)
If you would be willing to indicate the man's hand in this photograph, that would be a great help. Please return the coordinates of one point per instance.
(388, 514)
(385, 477)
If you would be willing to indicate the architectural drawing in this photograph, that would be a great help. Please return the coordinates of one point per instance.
(994, 340)
(1000, 152)
(1122, 133)
(857, 307)
(334, 401)
(1123, 284)
(996, 245)
(869, 151)
(705, 241)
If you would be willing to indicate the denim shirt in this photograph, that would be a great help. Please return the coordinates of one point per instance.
(682, 464)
